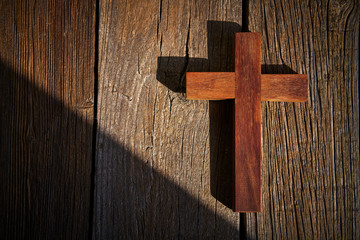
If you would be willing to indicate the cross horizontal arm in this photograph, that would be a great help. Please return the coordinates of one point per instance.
(221, 85)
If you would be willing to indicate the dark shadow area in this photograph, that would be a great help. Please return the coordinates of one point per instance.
(46, 165)
(276, 69)
(45, 161)
(171, 72)
(221, 113)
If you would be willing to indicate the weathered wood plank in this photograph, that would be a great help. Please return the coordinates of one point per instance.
(154, 175)
(310, 164)
(221, 86)
(46, 92)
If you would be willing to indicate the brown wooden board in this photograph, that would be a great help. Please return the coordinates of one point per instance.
(46, 96)
(310, 164)
(247, 125)
(162, 162)
(221, 86)
(155, 180)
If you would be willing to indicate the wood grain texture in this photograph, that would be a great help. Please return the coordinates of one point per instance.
(284, 87)
(221, 86)
(210, 86)
(153, 174)
(157, 153)
(46, 97)
(247, 124)
(310, 164)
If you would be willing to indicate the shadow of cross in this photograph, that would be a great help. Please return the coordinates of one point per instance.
(171, 72)
(248, 87)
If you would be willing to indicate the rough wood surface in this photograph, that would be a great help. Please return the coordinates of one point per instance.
(247, 123)
(154, 176)
(310, 164)
(162, 162)
(46, 92)
(221, 86)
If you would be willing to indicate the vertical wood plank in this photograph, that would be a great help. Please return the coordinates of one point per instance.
(46, 97)
(153, 174)
(247, 122)
(310, 165)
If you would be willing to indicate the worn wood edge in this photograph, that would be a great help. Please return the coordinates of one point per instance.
(221, 86)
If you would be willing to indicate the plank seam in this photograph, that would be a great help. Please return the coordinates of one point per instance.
(96, 91)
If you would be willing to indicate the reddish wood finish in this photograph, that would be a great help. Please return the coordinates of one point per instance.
(248, 87)
(284, 87)
(247, 150)
(221, 86)
(210, 86)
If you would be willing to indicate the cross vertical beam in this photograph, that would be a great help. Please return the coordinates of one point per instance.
(247, 149)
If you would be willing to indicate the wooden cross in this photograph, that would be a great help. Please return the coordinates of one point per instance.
(248, 87)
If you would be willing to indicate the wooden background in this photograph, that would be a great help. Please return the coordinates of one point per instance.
(98, 140)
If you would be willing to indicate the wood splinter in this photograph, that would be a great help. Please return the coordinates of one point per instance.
(248, 87)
